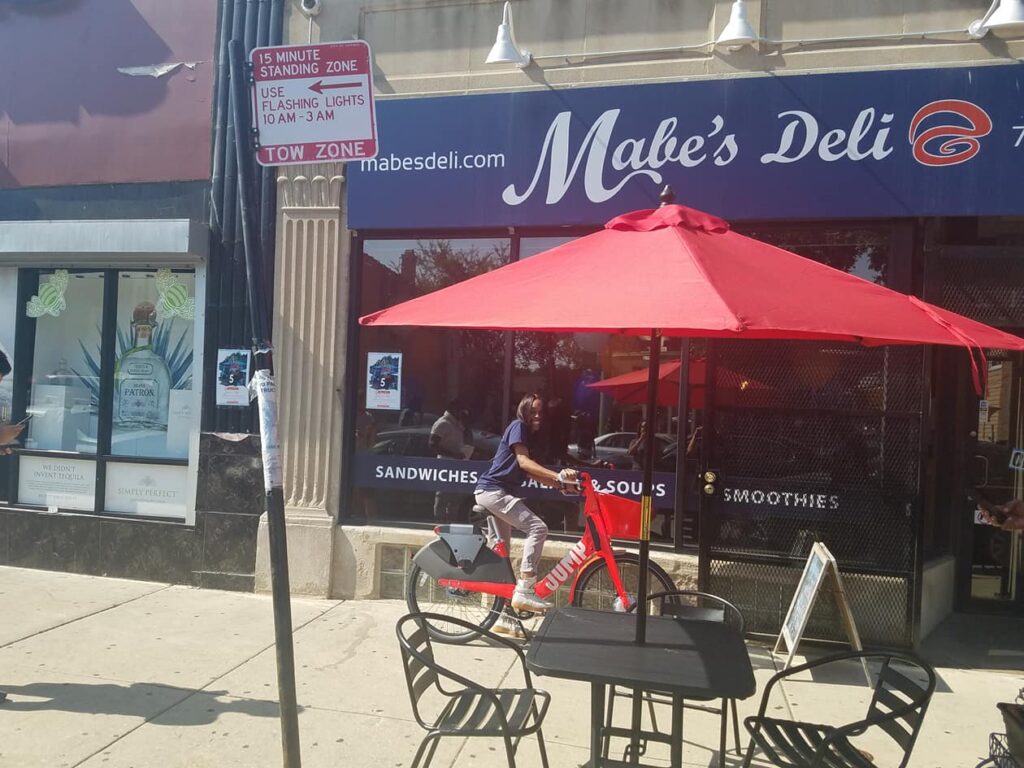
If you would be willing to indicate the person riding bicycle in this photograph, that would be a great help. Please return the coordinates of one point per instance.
(498, 489)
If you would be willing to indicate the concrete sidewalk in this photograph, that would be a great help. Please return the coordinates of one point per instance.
(104, 673)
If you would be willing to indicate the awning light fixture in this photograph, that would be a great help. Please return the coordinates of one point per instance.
(738, 31)
(1003, 16)
(505, 50)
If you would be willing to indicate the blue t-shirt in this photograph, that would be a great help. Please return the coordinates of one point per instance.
(504, 473)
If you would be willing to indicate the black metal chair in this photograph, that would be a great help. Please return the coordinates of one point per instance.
(470, 709)
(701, 606)
(898, 706)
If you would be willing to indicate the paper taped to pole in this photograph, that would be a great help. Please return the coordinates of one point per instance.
(266, 395)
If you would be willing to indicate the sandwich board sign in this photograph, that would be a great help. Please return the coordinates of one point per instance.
(313, 103)
(821, 567)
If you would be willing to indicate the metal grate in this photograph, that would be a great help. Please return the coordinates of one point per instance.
(763, 592)
(822, 444)
(984, 283)
(810, 375)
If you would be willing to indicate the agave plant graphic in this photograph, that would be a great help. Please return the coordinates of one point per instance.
(178, 358)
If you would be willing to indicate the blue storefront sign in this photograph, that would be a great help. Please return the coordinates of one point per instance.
(894, 143)
(448, 475)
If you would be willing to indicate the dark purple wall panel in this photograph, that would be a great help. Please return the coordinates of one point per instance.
(69, 116)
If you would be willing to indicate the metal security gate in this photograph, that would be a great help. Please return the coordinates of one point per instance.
(813, 442)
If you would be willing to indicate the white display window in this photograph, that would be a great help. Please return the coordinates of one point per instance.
(109, 388)
(153, 404)
(57, 483)
(64, 403)
(147, 489)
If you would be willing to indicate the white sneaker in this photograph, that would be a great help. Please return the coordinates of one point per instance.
(506, 625)
(524, 598)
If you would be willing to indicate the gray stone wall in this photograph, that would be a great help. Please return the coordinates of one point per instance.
(424, 47)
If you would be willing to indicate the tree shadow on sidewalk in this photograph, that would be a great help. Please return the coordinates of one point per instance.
(143, 700)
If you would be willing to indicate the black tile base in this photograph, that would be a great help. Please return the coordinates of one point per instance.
(218, 552)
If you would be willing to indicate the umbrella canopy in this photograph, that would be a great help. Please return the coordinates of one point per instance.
(631, 388)
(686, 273)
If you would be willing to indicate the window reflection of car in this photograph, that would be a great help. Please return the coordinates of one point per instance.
(613, 446)
(415, 441)
(741, 457)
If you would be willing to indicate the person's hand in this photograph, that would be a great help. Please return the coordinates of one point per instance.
(1014, 508)
(568, 480)
(1014, 520)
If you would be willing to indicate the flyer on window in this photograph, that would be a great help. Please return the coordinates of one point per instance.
(384, 381)
(233, 377)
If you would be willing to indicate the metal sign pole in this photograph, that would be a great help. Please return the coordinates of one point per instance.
(263, 383)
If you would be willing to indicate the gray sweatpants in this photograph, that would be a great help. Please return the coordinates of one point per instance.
(511, 512)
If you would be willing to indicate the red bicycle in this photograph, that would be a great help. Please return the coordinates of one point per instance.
(466, 573)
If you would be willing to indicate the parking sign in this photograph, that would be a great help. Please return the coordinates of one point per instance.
(313, 103)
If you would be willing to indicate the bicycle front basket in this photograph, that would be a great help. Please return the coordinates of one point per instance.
(621, 516)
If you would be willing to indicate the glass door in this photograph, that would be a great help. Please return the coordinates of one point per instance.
(995, 554)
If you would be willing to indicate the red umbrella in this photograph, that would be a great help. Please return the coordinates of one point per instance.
(681, 272)
(631, 387)
(685, 273)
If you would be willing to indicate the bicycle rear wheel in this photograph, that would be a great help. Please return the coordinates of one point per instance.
(595, 588)
(423, 593)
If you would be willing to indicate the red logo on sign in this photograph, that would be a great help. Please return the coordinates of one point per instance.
(959, 142)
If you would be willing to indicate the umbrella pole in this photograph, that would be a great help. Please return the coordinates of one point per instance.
(646, 507)
(681, 442)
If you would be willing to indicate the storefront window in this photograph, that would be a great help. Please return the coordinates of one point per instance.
(823, 441)
(409, 377)
(114, 434)
(399, 472)
(153, 404)
(64, 404)
(399, 476)
(860, 251)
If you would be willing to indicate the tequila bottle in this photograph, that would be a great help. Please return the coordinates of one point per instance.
(141, 378)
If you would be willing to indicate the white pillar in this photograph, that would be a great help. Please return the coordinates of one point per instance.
(311, 277)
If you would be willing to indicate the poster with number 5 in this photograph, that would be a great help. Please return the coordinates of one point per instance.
(384, 381)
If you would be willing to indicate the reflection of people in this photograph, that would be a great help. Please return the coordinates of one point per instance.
(448, 439)
(583, 427)
(556, 434)
(1009, 517)
(637, 449)
(366, 427)
(8, 432)
(552, 448)
(498, 488)
(584, 397)
(366, 437)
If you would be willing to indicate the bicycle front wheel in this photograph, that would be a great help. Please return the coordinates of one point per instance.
(424, 594)
(595, 588)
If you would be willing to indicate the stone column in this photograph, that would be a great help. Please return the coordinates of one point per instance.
(310, 313)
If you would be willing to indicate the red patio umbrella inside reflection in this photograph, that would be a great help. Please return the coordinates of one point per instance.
(631, 388)
(681, 272)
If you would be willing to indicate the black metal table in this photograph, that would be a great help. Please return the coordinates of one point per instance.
(685, 657)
